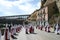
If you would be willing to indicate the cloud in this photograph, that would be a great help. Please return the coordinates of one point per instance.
(18, 7)
(12, 0)
(38, 5)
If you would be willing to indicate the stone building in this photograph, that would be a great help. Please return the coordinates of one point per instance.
(48, 9)
(53, 8)
(32, 18)
(58, 4)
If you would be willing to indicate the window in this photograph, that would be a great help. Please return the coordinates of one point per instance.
(53, 7)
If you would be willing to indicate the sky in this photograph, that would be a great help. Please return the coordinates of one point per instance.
(18, 7)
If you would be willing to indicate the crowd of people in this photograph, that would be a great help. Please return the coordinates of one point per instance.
(10, 30)
(29, 29)
(47, 28)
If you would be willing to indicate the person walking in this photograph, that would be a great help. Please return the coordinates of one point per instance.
(56, 31)
(26, 27)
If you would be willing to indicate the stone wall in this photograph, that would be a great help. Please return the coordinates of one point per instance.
(48, 2)
(58, 4)
(52, 9)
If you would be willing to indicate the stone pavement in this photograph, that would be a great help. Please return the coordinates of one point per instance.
(38, 35)
(47, 36)
(21, 35)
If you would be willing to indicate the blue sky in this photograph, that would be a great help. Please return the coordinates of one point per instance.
(18, 7)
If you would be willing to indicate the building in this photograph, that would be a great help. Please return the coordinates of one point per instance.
(58, 4)
(16, 19)
(48, 9)
(32, 18)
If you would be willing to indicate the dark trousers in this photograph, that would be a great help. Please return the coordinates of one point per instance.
(8, 39)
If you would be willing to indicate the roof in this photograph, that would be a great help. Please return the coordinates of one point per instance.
(14, 15)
